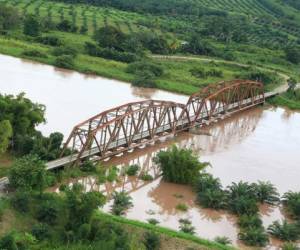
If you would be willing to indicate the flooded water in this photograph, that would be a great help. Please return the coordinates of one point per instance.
(259, 144)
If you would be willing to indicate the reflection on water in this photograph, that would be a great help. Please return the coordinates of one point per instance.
(239, 141)
(259, 144)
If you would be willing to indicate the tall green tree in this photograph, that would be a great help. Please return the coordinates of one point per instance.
(9, 17)
(6, 133)
(179, 165)
(28, 173)
(32, 26)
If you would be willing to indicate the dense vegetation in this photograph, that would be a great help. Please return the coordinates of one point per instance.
(242, 198)
(103, 37)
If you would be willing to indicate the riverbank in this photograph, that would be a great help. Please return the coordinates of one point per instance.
(290, 100)
(178, 76)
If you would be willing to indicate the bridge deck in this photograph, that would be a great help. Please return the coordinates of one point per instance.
(122, 142)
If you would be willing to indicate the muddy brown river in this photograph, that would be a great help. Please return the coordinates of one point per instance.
(258, 144)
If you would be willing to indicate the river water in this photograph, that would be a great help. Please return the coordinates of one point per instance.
(258, 144)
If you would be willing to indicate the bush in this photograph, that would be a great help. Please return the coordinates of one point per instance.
(179, 165)
(20, 201)
(261, 76)
(109, 53)
(266, 193)
(84, 231)
(50, 40)
(223, 240)
(151, 241)
(153, 221)
(290, 246)
(47, 212)
(122, 202)
(144, 79)
(209, 192)
(34, 53)
(88, 166)
(186, 226)
(285, 231)
(291, 201)
(64, 61)
(28, 173)
(250, 221)
(132, 170)
(146, 177)
(40, 231)
(182, 207)
(254, 237)
(242, 198)
(142, 66)
(8, 242)
(211, 198)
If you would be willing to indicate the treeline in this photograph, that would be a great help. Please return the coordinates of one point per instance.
(170, 7)
(19, 118)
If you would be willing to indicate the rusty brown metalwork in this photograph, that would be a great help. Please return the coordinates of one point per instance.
(134, 124)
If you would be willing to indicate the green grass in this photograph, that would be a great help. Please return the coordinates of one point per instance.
(165, 231)
(285, 100)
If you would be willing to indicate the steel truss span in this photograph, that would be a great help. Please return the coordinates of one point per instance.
(134, 124)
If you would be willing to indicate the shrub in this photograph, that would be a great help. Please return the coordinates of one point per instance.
(8, 242)
(132, 170)
(182, 207)
(254, 237)
(64, 61)
(84, 231)
(186, 226)
(34, 53)
(144, 79)
(88, 166)
(28, 173)
(285, 231)
(122, 202)
(261, 76)
(47, 212)
(291, 201)
(223, 240)
(109, 53)
(290, 246)
(40, 231)
(250, 221)
(266, 192)
(142, 66)
(146, 177)
(151, 241)
(243, 205)
(20, 201)
(242, 198)
(50, 40)
(65, 25)
(212, 198)
(63, 187)
(179, 165)
(153, 221)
